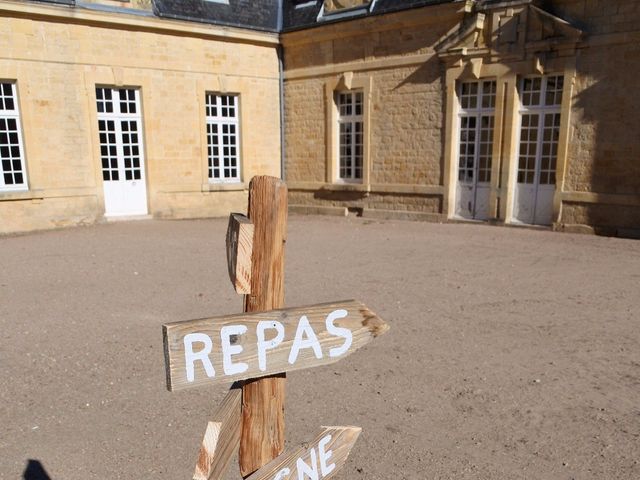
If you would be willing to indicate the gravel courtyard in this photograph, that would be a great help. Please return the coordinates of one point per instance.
(513, 353)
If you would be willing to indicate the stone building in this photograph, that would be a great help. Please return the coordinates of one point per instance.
(107, 109)
(508, 111)
(516, 112)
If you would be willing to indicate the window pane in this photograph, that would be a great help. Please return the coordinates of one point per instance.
(222, 137)
(475, 144)
(11, 161)
(350, 139)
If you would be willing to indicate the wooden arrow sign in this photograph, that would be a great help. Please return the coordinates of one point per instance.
(239, 249)
(221, 438)
(320, 459)
(250, 345)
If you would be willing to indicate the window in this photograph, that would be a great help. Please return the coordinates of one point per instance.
(223, 138)
(477, 105)
(338, 5)
(14, 175)
(119, 127)
(540, 99)
(343, 8)
(350, 135)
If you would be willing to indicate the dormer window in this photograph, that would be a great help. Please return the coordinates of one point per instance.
(304, 3)
(334, 9)
(335, 6)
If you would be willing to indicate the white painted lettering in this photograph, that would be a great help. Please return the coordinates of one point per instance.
(306, 470)
(282, 474)
(231, 368)
(264, 345)
(190, 356)
(299, 343)
(339, 332)
(324, 456)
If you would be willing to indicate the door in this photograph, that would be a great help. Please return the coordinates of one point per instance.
(121, 151)
(537, 150)
(477, 105)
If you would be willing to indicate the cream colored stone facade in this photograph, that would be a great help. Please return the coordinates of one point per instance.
(391, 59)
(408, 67)
(57, 57)
(414, 62)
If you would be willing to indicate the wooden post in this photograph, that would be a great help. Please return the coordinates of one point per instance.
(262, 437)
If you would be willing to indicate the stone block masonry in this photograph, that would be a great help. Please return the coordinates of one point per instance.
(56, 66)
(412, 160)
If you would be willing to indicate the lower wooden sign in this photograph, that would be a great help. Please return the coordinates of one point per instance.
(250, 345)
(319, 459)
(221, 438)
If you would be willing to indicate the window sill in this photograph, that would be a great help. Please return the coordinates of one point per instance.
(400, 188)
(347, 187)
(9, 195)
(224, 187)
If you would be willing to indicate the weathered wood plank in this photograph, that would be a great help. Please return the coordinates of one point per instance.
(239, 247)
(221, 439)
(262, 437)
(321, 458)
(241, 346)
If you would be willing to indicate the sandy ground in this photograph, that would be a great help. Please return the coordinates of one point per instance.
(512, 354)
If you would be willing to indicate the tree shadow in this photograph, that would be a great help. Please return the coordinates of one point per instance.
(35, 471)
(602, 119)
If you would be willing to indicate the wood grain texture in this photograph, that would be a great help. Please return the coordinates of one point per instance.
(363, 324)
(239, 243)
(221, 439)
(285, 466)
(262, 436)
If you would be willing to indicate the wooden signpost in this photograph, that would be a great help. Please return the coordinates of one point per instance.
(256, 349)
(238, 347)
(318, 459)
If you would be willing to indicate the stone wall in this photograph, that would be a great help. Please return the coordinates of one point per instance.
(407, 119)
(395, 53)
(304, 132)
(598, 16)
(605, 147)
(601, 186)
(604, 151)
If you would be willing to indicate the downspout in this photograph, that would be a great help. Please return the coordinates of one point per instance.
(280, 52)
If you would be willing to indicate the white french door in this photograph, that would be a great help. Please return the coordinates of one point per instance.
(476, 125)
(121, 151)
(540, 99)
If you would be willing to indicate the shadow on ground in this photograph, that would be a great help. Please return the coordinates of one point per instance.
(35, 471)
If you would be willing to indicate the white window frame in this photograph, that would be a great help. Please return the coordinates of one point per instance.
(355, 120)
(542, 109)
(223, 120)
(5, 116)
(477, 112)
(117, 116)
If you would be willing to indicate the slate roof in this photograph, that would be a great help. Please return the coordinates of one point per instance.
(254, 14)
(266, 15)
(273, 15)
(299, 14)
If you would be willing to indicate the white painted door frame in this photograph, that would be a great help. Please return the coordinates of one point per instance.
(122, 151)
(538, 138)
(475, 127)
